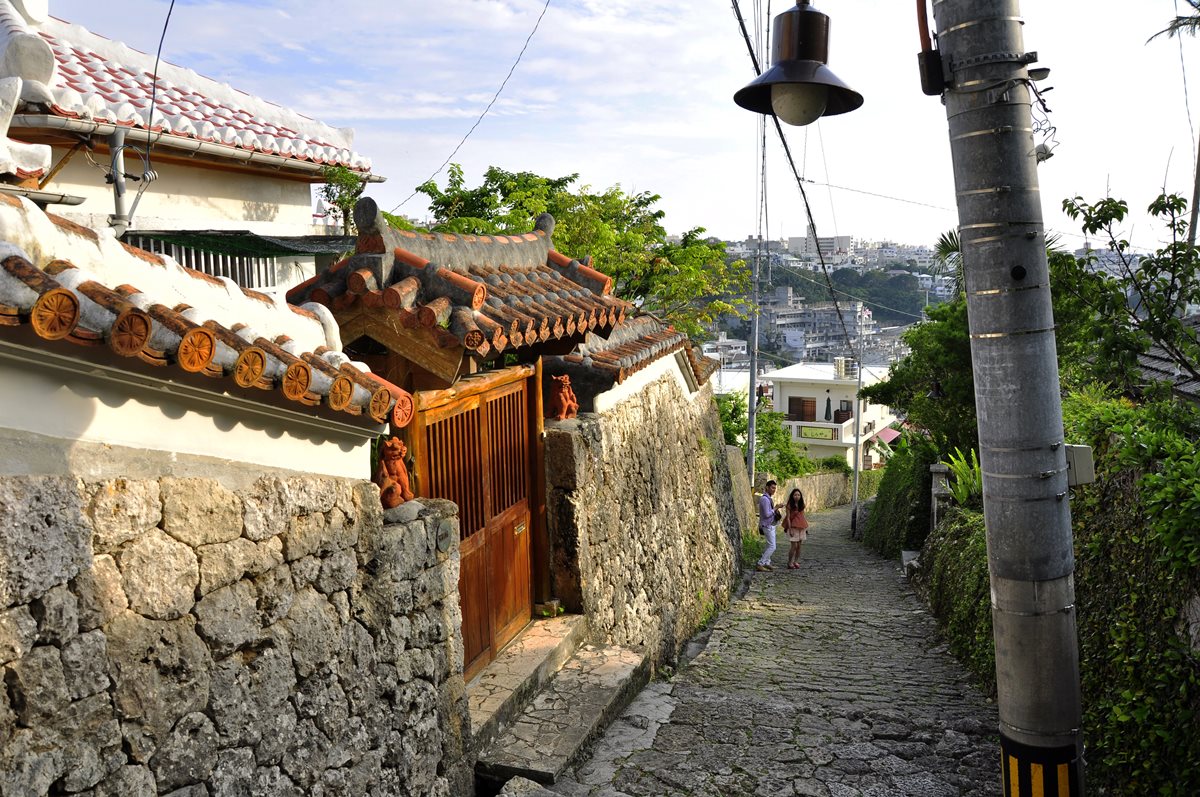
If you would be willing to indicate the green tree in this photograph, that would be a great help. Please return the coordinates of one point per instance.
(777, 453)
(687, 284)
(505, 203)
(733, 409)
(939, 355)
(1126, 304)
(1182, 24)
(947, 254)
(341, 191)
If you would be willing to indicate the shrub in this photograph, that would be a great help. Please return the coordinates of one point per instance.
(1136, 552)
(868, 483)
(1137, 565)
(899, 519)
(954, 580)
(835, 464)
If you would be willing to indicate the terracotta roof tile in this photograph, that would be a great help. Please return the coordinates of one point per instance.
(491, 293)
(63, 303)
(599, 363)
(91, 82)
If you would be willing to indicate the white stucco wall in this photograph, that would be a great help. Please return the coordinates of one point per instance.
(185, 197)
(633, 386)
(90, 408)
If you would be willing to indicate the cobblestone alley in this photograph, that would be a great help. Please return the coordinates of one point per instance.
(829, 680)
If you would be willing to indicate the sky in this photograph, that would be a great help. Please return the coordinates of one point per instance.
(638, 93)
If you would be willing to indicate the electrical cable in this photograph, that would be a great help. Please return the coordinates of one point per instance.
(495, 97)
(878, 195)
(154, 86)
(1183, 72)
(825, 164)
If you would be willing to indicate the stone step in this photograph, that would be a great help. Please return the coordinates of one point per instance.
(553, 731)
(508, 683)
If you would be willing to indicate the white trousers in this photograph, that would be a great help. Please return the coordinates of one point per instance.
(766, 557)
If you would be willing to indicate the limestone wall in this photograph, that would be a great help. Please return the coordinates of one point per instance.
(643, 521)
(820, 490)
(173, 636)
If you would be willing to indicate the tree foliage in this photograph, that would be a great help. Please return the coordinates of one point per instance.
(939, 355)
(733, 409)
(777, 453)
(1127, 304)
(1180, 24)
(687, 284)
(340, 192)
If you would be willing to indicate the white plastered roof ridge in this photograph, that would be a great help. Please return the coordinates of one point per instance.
(31, 230)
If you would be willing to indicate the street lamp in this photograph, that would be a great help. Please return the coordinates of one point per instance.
(799, 88)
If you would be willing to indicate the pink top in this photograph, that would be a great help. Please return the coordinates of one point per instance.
(796, 520)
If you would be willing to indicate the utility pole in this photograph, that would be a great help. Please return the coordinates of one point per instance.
(858, 402)
(752, 407)
(1030, 558)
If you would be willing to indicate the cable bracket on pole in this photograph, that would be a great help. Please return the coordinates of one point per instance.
(992, 58)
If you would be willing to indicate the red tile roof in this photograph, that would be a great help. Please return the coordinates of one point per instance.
(634, 345)
(487, 294)
(143, 327)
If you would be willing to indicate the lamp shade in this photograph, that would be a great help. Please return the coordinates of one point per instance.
(799, 52)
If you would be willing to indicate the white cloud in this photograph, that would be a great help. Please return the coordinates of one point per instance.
(639, 92)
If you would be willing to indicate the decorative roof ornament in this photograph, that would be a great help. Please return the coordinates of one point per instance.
(16, 157)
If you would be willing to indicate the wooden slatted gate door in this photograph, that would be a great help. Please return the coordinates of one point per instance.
(476, 450)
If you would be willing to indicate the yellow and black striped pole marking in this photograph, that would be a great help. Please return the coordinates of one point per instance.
(1040, 771)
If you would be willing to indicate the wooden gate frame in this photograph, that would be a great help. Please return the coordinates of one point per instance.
(463, 391)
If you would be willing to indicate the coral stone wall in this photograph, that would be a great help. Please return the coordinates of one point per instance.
(644, 527)
(820, 490)
(173, 636)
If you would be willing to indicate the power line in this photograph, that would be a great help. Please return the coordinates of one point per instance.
(495, 97)
(878, 195)
(154, 83)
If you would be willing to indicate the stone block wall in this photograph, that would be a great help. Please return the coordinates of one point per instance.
(172, 636)
(643, 521)
(820, 490)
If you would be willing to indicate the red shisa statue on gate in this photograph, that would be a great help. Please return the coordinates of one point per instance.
(563, 404)
(392, 474)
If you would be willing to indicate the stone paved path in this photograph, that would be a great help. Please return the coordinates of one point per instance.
(829, 680)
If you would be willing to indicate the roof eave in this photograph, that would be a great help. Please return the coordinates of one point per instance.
(191, 146)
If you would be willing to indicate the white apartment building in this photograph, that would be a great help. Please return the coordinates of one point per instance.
(818, 401)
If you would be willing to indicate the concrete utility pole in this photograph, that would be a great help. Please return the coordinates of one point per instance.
(752, 407)
(1016, 395)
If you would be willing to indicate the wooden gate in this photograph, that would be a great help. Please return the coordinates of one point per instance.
(474, 445)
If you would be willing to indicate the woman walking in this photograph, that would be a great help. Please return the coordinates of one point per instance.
(796, 526)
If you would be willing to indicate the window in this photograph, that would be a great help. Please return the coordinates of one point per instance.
(845, 405)
(248, 272)
(802, 409)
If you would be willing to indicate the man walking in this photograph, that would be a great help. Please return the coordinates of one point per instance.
(766, 524)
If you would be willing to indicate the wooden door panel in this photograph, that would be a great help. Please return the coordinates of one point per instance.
(478, 455)
(476, 624)
(510, 585)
